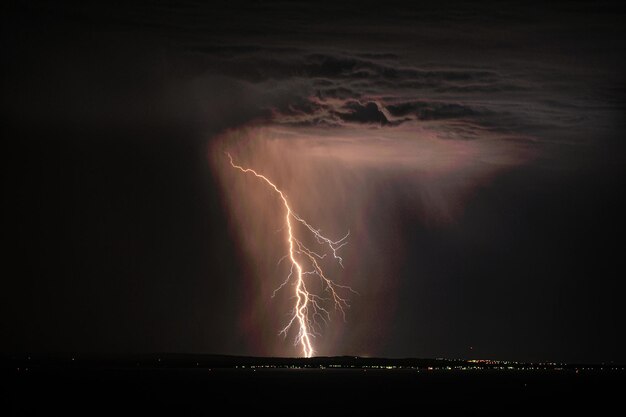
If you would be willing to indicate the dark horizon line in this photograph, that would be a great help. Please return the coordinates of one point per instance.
(234, 359)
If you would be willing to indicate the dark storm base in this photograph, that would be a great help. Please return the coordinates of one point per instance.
(349, 386)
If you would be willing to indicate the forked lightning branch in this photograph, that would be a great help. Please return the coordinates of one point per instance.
(310, 308)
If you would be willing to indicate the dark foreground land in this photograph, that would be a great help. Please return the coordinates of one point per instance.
(217, 385)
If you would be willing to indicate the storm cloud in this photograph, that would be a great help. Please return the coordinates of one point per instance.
(475, 151)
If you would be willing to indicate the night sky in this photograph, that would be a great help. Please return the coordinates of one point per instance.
(476, 153)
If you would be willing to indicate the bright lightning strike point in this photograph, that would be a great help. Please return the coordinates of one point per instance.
(309, 307)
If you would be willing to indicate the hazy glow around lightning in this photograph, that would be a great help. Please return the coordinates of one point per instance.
(372, 182)
(309, 307)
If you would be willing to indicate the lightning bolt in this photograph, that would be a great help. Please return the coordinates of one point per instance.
(309, 307)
